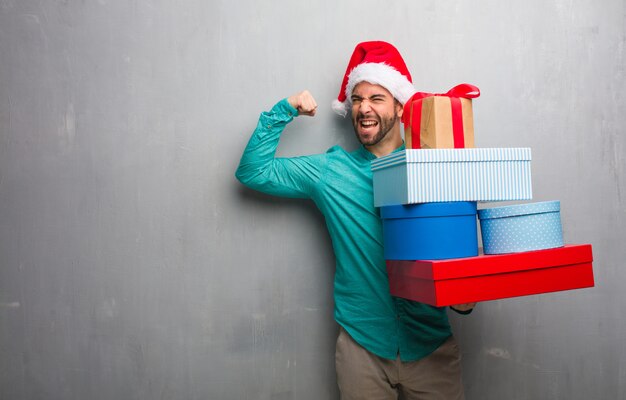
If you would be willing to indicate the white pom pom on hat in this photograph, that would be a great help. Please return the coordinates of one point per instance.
(379, 63)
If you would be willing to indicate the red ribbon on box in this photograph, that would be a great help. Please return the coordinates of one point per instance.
(464, 90)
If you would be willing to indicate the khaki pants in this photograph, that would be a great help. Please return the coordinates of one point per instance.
(362, 375)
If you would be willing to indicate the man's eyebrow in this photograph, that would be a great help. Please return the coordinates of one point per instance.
(374, 96)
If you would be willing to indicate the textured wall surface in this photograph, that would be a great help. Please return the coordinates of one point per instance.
(134, 266)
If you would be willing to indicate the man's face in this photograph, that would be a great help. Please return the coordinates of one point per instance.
(374, 112)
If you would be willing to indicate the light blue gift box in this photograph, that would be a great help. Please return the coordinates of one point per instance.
(521, 227)
(444, 175)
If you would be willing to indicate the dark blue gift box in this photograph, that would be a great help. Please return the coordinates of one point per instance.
(430, 231)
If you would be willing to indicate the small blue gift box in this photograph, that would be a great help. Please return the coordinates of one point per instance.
(430, 231)
(521, 227)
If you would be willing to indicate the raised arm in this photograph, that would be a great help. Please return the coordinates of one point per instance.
(259, 169)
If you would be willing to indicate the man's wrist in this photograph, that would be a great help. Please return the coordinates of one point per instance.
(286, 107)
(281, 114)
(462, 312)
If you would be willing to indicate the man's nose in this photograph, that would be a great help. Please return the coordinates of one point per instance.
(365, 106)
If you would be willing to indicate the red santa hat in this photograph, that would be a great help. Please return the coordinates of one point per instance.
(378, 63)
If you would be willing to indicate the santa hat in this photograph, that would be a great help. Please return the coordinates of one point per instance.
(378, 63)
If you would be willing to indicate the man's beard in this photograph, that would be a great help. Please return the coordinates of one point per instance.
(384, 126)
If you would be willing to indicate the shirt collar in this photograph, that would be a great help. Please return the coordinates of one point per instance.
(371, 156)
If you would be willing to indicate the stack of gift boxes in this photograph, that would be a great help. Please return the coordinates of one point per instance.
(428, 196)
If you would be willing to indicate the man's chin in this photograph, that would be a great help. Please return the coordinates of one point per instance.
(367, 140)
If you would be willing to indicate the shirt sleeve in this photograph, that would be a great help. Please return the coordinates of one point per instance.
(259, 169)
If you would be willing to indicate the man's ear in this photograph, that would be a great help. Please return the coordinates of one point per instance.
(401, 111)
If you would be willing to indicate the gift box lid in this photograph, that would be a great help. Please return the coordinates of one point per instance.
(444, 209)
(495, 264)
(451, 155)
(520, 209)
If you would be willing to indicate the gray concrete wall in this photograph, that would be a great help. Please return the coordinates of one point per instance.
(134, 266)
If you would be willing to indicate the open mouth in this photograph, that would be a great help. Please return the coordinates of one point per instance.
(368, 123)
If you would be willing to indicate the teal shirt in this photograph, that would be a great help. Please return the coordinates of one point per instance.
(340, 184)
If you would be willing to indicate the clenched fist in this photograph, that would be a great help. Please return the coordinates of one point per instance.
(304, 103)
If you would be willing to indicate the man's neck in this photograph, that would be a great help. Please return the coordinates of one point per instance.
(392, 141)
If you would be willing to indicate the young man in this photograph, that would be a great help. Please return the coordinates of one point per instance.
(387, 346)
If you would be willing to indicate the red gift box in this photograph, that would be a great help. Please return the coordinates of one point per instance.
(490, 277)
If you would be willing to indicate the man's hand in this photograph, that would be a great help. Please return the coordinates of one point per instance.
(304, 103)
(463, 307)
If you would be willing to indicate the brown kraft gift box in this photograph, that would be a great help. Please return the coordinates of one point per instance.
(434, 115)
